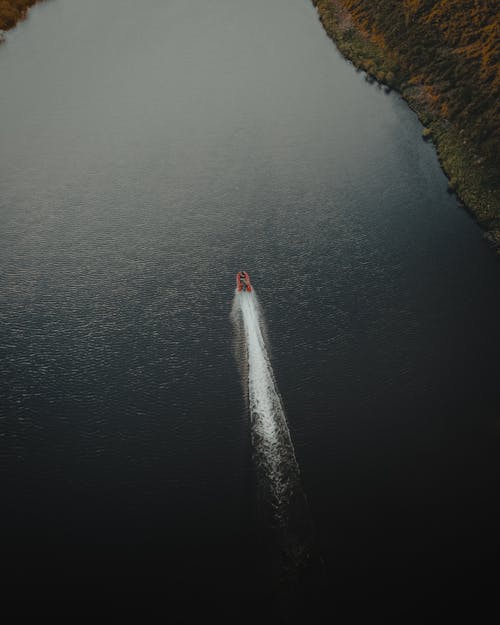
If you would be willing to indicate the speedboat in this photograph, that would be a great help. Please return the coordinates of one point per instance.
(243, 281)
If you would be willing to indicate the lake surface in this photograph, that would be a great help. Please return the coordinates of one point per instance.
(148, 151)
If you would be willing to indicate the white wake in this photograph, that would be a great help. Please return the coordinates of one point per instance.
(270, 435)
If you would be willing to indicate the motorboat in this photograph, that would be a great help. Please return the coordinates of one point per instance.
(243, 281)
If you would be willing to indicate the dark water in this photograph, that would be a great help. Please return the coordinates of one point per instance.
(147, 152)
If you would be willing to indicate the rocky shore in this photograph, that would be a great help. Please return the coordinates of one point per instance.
(466, 139)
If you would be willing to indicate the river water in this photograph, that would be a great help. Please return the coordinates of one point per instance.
(150, 150)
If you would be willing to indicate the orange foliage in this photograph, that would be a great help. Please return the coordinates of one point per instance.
(449, 49)
(11, 11)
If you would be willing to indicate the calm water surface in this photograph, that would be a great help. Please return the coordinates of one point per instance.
(147, 152)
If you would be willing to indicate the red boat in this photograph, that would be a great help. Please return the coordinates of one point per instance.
(243, 281)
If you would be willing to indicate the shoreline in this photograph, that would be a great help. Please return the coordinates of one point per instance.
(472, 177)
(473, 181)
(12, 12)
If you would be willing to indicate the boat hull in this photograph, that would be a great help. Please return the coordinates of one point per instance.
(243, 281)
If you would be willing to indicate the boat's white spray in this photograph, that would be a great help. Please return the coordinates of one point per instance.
(271, 440)
(283, 499)
(284, 502)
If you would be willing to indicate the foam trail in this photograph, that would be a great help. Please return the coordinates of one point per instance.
(295, 558)
(271, 438)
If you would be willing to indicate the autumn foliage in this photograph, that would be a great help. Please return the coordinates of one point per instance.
(450, 49)
(11, 11)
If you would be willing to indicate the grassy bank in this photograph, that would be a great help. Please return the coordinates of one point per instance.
(444, 58)
(11, 11)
